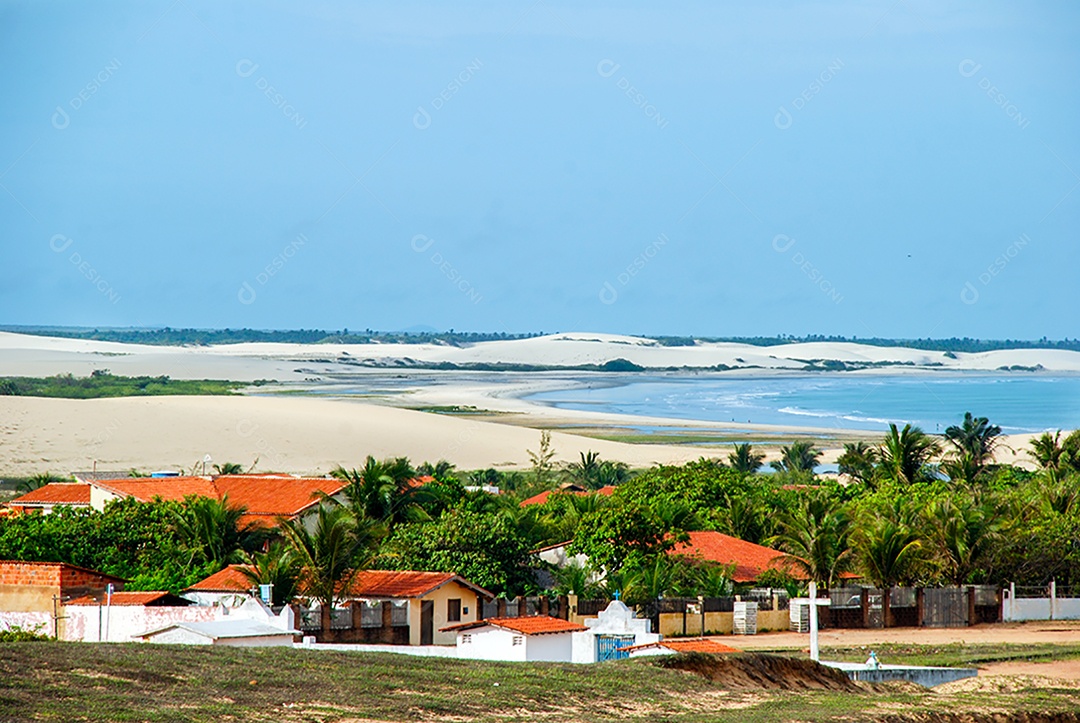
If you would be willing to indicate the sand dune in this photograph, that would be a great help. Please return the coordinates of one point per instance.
(288, 434)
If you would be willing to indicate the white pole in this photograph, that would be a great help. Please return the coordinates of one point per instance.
(108, 609)
(1053, 598)
(1012, 601)
(814, 654)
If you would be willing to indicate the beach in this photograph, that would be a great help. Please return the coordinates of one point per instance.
(303, 425)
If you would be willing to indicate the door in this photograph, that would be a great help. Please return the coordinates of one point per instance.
(607, 647)
(427, 622)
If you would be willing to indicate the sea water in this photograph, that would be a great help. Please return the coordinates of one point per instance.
(1015, 401)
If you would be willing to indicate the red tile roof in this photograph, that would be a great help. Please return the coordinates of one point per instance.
(55, 493)
(133, 598)
(265, 496)
(530, 625)
(231, 579)
(689, 645)
(750, 560)
(405, 583)
(542, 498)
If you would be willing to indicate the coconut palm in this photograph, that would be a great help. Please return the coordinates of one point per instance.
(228, 468)
(331, 553)
(745, 459)
(279, 567)
(1047, 450)
(214, 530)
(976, 439)
(37, 481)
(745, 517)
(815, 537)
(906, 454)
(858, 461)
(383, 491)
(889, 549)
(964, 530)
(799, 457)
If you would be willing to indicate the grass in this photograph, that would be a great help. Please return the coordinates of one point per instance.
(103, 384)
(94, 682)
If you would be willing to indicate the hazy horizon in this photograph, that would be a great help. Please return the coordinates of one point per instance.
(894, 170)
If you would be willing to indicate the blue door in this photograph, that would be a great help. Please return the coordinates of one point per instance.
(607, 647)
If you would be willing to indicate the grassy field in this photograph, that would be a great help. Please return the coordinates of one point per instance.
(102, 384)
(47, 681)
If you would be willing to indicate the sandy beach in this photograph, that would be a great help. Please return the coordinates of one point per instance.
(305, 432)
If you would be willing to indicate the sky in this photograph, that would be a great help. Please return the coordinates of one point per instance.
(903, 168)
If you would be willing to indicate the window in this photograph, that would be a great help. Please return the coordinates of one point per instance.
(518, 640)
(453, 610)
(466, 639)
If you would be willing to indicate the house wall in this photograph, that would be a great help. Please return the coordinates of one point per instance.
(40, 622)
(27, 598)
(99, 497)
(125, 621)
(221, 599)
(556, 647)
(671, 624)
(440, 597)
(490, 643)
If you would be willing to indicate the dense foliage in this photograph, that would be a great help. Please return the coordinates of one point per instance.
(101, 383)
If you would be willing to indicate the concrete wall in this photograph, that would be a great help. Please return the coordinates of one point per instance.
(555, 648)
(1039, 608)
(671, 624)
(491, 643)
(99, 497)
(88, 623)
(27, 598)
(39, 622)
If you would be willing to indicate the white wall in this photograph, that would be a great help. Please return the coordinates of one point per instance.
(124, 621)
(491, 643)
(39, 622)
(1039, 608)
(554, 648)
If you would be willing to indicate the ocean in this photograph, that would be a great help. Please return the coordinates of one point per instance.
(1015, 401)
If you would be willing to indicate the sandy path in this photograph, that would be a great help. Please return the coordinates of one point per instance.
(1057, 632)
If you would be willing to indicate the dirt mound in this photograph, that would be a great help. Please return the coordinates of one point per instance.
(755, 671)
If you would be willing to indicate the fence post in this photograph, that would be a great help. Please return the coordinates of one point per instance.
(1053, 598)
(500, 607)
(564, 607)
(920, 606)
(864, 603)
(971, 605)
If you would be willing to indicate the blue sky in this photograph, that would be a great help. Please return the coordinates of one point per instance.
(886, 168)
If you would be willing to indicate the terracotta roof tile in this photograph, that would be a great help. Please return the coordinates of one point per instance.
(230, 579)
(530, 625)
(750, 560)
(55, 493)
(689, 645)
(405, 583)
(133, 598)
(542, 498)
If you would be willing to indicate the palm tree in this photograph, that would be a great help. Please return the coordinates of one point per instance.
(278, 566)
(575, 579)
(975, 437)
(585, 471)
(906, 454)
(1048, 451)
(383, 491)
(37, 481)
(744, 459)
(746, 518)
(815, 536)
(229, 468)
(961, 467)
(799, 457)
(331, 554)
(441, 470)
(652, 579)
(213, 530)
(964, 530)
(888, 549)
(858, 461)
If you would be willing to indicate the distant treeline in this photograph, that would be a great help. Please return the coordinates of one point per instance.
(103, 384)
(168, 336)
(953, 344)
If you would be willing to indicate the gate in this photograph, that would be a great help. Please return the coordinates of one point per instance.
(945, 607)
(607, 647)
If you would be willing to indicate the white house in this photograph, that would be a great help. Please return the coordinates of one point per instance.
(532, 638)
(252, 624)
(608, 635)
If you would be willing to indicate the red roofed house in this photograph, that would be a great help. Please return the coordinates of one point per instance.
(680, 645)
(567, 489)
(227, 588)
(44, 498)
(534, 638)
(266, 496)
(27, 586)
(750, 560)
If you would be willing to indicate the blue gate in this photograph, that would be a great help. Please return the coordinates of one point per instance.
(607, 647)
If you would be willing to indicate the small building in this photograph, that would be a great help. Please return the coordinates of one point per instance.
(32, 594)
(251, 625)
(680, 645)
(750, 560)
(533, 638)
(228, 587)
(608, 635)
(46, 497)
(568, 488)
(104, 618)
(435, 600)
